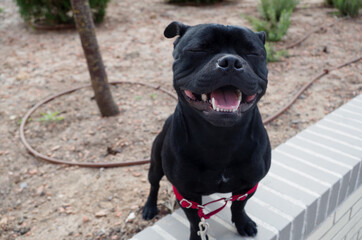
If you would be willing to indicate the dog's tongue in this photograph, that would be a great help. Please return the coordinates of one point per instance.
(225, 98)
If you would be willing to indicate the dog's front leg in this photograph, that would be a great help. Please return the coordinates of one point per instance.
(155, 174)
(194, 219)
(244, 224)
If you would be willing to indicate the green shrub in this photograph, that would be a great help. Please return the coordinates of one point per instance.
(52, 12)
(272, 55)
(275, 18)
(348, 7)
(329, 2)
(274, 30)
(273, 9)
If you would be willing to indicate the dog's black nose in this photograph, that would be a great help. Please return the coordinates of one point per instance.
(229, 62)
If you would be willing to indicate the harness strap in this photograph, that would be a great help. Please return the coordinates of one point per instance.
(200, 207)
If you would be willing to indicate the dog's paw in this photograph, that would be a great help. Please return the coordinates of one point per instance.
(149, 212)
(248, 229)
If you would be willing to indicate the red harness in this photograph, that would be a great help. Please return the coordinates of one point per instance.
(194, 205)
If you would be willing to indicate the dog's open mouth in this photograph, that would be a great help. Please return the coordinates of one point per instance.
(226, 99)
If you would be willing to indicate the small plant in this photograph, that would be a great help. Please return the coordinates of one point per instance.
(348, 7)
(20, 121)
(52, 12)
(1, 10)
(138, 98)
(272, 55)
(153, 96)
(50, 117)
(275, 18)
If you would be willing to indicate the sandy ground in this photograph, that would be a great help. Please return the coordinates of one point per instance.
(39, 200)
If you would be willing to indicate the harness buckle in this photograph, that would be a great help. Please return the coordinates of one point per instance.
(187, 202)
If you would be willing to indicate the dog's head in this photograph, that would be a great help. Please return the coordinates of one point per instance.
(219, 71)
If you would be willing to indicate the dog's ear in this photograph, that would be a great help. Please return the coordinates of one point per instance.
(261, 36)
(174, 29)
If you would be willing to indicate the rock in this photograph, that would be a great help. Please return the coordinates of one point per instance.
(118, 214)
(5, 153)
(55, 148)
(21, 220)
(69, 210)
(3, 221)
(33, 171)
(23, 185)
(85, 219)
(130, 217)
(101, 213)
(40, 191)
(22, 76)
(22, 231)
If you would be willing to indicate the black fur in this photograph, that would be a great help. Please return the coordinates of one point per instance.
(202, 151)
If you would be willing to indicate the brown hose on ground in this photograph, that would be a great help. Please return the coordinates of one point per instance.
(144, 161)
(307, 85)
(306, 36)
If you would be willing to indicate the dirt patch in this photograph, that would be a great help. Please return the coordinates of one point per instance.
(43, 201)
(143, 112)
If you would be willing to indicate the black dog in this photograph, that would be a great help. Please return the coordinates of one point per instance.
(215, 141)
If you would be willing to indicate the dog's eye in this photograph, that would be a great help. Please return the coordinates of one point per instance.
(196, 50)
(256, 53)
(201, 47)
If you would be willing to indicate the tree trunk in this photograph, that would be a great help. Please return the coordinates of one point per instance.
(86, 30)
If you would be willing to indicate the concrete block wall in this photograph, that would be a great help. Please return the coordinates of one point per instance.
(345, 223)
(313, 190)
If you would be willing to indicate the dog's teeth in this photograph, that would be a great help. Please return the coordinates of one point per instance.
(213, 103)
(204, 97)
(240, 95)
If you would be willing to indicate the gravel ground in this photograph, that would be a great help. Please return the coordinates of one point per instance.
(40, 200)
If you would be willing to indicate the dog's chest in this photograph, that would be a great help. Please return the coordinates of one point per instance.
(219, 181)
(223, 179)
